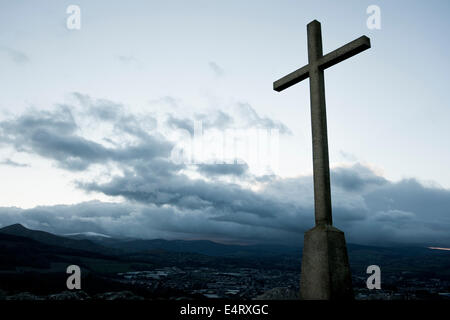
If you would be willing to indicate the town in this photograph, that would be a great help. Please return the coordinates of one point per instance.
(262, 284)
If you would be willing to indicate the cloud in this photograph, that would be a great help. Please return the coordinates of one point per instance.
(218, 71)
(9, 162)
(179, 207)
(15, 55)
(356, 179)
(178, 123)
(126, 219)
(55, 135)
(216, 119)
(127, 59)
(160, 202)
(239, 116)
(160, 198)
(102, 109)
(160, 183)
(369, 212)
(252, 119)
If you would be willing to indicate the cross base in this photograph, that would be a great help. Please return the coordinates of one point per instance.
(325, 268)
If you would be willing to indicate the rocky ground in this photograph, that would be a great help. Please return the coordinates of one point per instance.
(72, 295)
(273, 294)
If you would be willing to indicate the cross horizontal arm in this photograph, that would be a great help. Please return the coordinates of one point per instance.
(326, 61)
(344, 52)
(291, 79)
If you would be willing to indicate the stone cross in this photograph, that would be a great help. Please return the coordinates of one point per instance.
(314, 70)
(325, 270)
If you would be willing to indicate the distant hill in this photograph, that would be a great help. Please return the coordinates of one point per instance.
(54, 240)
(400, 259)
(18, 251)
(36, 261)
(204, 247)
(21, 244)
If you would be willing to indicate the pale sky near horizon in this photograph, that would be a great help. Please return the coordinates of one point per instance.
(387, 107)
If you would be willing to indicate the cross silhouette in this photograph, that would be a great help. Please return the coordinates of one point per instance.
(315, 71)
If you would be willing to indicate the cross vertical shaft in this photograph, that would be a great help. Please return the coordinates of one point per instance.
(322, 192)
(325, 267)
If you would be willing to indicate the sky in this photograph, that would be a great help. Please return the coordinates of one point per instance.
(100, 126)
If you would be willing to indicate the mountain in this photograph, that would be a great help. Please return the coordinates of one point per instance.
(54, 240)
(130, 253)
(204, 247)
(27, 265)
(36, 261)
(19, 251)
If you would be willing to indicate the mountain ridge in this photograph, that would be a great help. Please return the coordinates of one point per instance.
(52, 239)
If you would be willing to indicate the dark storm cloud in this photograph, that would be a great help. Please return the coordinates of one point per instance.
(108, 111)
(126, 219)
(178, 207)
(160, 184)
(161, 200)
(53, 135)
(356, 179)
(372, 210)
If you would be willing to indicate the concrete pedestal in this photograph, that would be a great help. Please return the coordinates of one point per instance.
(325, 268)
